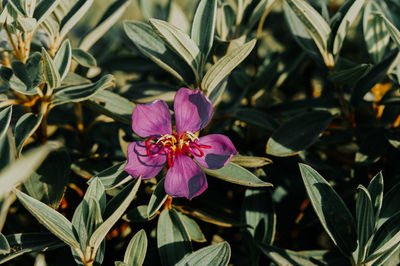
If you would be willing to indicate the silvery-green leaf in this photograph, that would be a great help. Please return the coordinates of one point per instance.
(218, 254)
(4, 246)
(136, 250)
(151, 45)
(27, 25)
(393, 31)
(62, 60)
(84, 58)
(8, 151)
(113, 176)
(157, 199)
(5, 119)
(51, 219)
(375, 33)
(346, 22)
(350, 75)
(77, 11)
(43, 9)
(50, 71)
(203, 26)
(179, 41)
(109, 18)
(100, 233)
(375, 189)
(250, 161)
(365, 220)
(25, 127)
(389, 205)
(159, 9)
(315, 25)
(236, 174)
(332, 212)
(172, 239)
(137, 214)
(192, 228)
(224, 66)
(30, 73)
(82, 92)
(30, 242)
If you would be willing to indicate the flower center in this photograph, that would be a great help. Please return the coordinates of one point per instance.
(172, 144)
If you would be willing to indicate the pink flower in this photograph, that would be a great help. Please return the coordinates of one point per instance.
(177, 148)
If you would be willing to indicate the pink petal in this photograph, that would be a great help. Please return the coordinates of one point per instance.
(192, 109)
(185, 178)
(152, 119)
(140, 164)
(220, 153)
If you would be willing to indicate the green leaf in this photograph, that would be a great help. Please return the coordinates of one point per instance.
(203, 26)
(180, 42)
(82, 92)
(136, 250)
(112, 105)
(315, 25)
(389, 204)
(192, 228)
(332, 212)
(25, 127)
(83, 58)
(120, 263)
(225, 65)
(151, 45)
(236, 174)
(101, 232)
(250, 161)
(51, 219)
(375, 33)
(218, 254)
(365, 221)
(156, 8)
(284, 143)
(393, 31)
(77, 11)
(50, 71)
(259, 215)
(62, 60)
(172, 239)
(26, 25)
(43, 9)
(350, 75)
(346, 22)
(257, 118)
(30, 74)
(157, 199)
(375, 189)
(137, 215)
(113, 176)
(109, 18)
(30, 242)
(48, 182)
(8, 151)
(4, 246)
(5, 119)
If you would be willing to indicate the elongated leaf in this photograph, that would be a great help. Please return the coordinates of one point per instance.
(62, 60)
(257, 118)
(113, 105)
(157, 199)
(84, 58)
(172, 240)
(346, 22)
(30, 242)
(365, 220)
(109, 18)
(8, 151)
(113, 176)
(4, 246)
(51, 219)
(350, 75)
(100, 233)
(44, 9)
(236, 174)
(192, 228)
(151, 45)
(250, 161)
(393, 31)
(136, 250)
(82, 92)
(259, 215)
(375, 189)
(203, 26)
(24, 128)
(218, 254)
(307, 126)
(48, 182)
(333, 214)
(30, 74)
(389, 206)
(77, 11)
(50, 71)
(5, 119)
(179, 41)
(315, 25)
(225, 65)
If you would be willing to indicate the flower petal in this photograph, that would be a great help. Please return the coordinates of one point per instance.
(185, 178)
(140, 164)
(192, 109)
(152, 119)
(218, 155)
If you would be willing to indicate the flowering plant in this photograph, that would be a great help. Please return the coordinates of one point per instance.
(177, 148)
